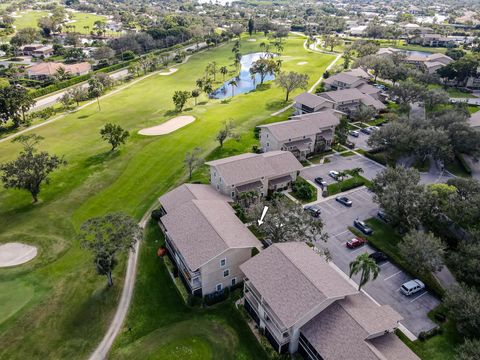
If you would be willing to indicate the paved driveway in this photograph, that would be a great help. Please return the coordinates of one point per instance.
(385, 289)
(340, 163)
(360, 141)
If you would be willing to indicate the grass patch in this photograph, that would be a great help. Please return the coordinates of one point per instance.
(339, 147)
(317, 157)
(385, 239)
(458, 166)
(347, 153)
(439, 347)
(348, 184)
(422, 165)
(352, 126)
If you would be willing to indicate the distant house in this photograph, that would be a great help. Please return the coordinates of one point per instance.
(384, 52)
(302, 303)
(28, 49)
(430, 63)
(261, 173)
(306, 103)
(302, 135)
(46, 70)
(433, 40)
(204, 238)
(43, 52)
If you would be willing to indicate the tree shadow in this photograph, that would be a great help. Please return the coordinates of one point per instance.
(276, 104)
(202, 103)
(226, 101)
(171, 112)
(83, 116)
(263, 87)
(100, 158)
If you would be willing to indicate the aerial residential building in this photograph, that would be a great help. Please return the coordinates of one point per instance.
(302, 135)
(47, 70)
(430, 63)
(43, 52)
(342, 81)
(205, 238)
(261, 173)
(433, 40)
(349, 100)
(302, 303)
(306, 103)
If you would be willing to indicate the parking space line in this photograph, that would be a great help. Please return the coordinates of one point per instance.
(387, 278)
(419, 296)
(385, 263)
(356, 250)
(343, 232)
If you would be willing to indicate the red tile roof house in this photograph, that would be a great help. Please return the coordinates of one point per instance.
(47, 70)
(262, 173)
(302, 303)
(204, 238)
(303, 135)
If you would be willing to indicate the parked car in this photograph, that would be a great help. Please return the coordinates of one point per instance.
(364, 228)
(319, 180)
(313, 210)
(374, 128)
(355, 242)
(412, 287)
(344, 201)
(334, 174)
(350, 145)
(366, 130)
(382, 216)
(378, 257)
(354, 133)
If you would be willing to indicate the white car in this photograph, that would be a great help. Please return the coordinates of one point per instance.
(412, 287)
(334, 174)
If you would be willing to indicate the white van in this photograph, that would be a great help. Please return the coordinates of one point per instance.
(412, 286)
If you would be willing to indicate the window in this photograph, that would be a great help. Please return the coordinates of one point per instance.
(219, 287)
(268, 144)
(223, 262)
(234, 281)
(226, 272)
(233, 194)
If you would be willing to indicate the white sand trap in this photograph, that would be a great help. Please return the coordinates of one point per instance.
(12, 254)
(168, 127)
(252, 40)
(302, 63)
(169, 72)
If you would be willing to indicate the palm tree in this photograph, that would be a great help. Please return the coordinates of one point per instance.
(200, 83)
(233, 83)
(223, 71)
(367, 266)
(355, 171)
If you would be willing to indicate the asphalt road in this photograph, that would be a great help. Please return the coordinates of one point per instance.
(385, 289)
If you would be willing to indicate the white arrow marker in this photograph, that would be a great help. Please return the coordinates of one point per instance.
(265, 209)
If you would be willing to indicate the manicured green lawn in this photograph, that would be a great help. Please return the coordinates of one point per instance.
(28, 18)
(72, 306)
(438, 347)
(81, 20)
(161, 326)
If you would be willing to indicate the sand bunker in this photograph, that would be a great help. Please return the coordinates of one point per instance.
(12, 254)
(302, 63)
(168, 127)
(169, 72)
(252, 40)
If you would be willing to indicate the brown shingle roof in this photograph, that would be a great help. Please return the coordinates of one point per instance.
(250, 167)
(186, 192)
(50, 68)
(344, 78)
(310, 100)
(302, 125)
(392, 348)
(203, 229)
(294, 280)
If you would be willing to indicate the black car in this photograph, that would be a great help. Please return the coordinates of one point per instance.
(378, 257)
(366, 130)
(319, 180)
(313, 210)
(382, 216)
(344, 200)
(364, 228)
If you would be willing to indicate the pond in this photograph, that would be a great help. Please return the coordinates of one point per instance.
(244, 82)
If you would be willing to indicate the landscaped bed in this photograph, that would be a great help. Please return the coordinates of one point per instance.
(348, 184)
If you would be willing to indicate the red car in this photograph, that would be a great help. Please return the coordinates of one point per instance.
(355, 242)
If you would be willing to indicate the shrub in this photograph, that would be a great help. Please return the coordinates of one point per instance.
(464, 164)
(216, 297)
(156, 214)
(303, 190)
(376, 157)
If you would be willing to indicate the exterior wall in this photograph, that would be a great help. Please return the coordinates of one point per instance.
(212, 272)
(268, 142)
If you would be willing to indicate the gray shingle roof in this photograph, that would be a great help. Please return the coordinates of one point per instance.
(293, 280)
(250, 167)
(310, 100)
(186, 192)
(341, 330)
(392, 348)
(302, 125)
(344, 78)
(203, 229)
(342, 95)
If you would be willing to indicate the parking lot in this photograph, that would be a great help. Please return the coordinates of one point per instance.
(360, 141)
(340, 163)
(386, 288)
